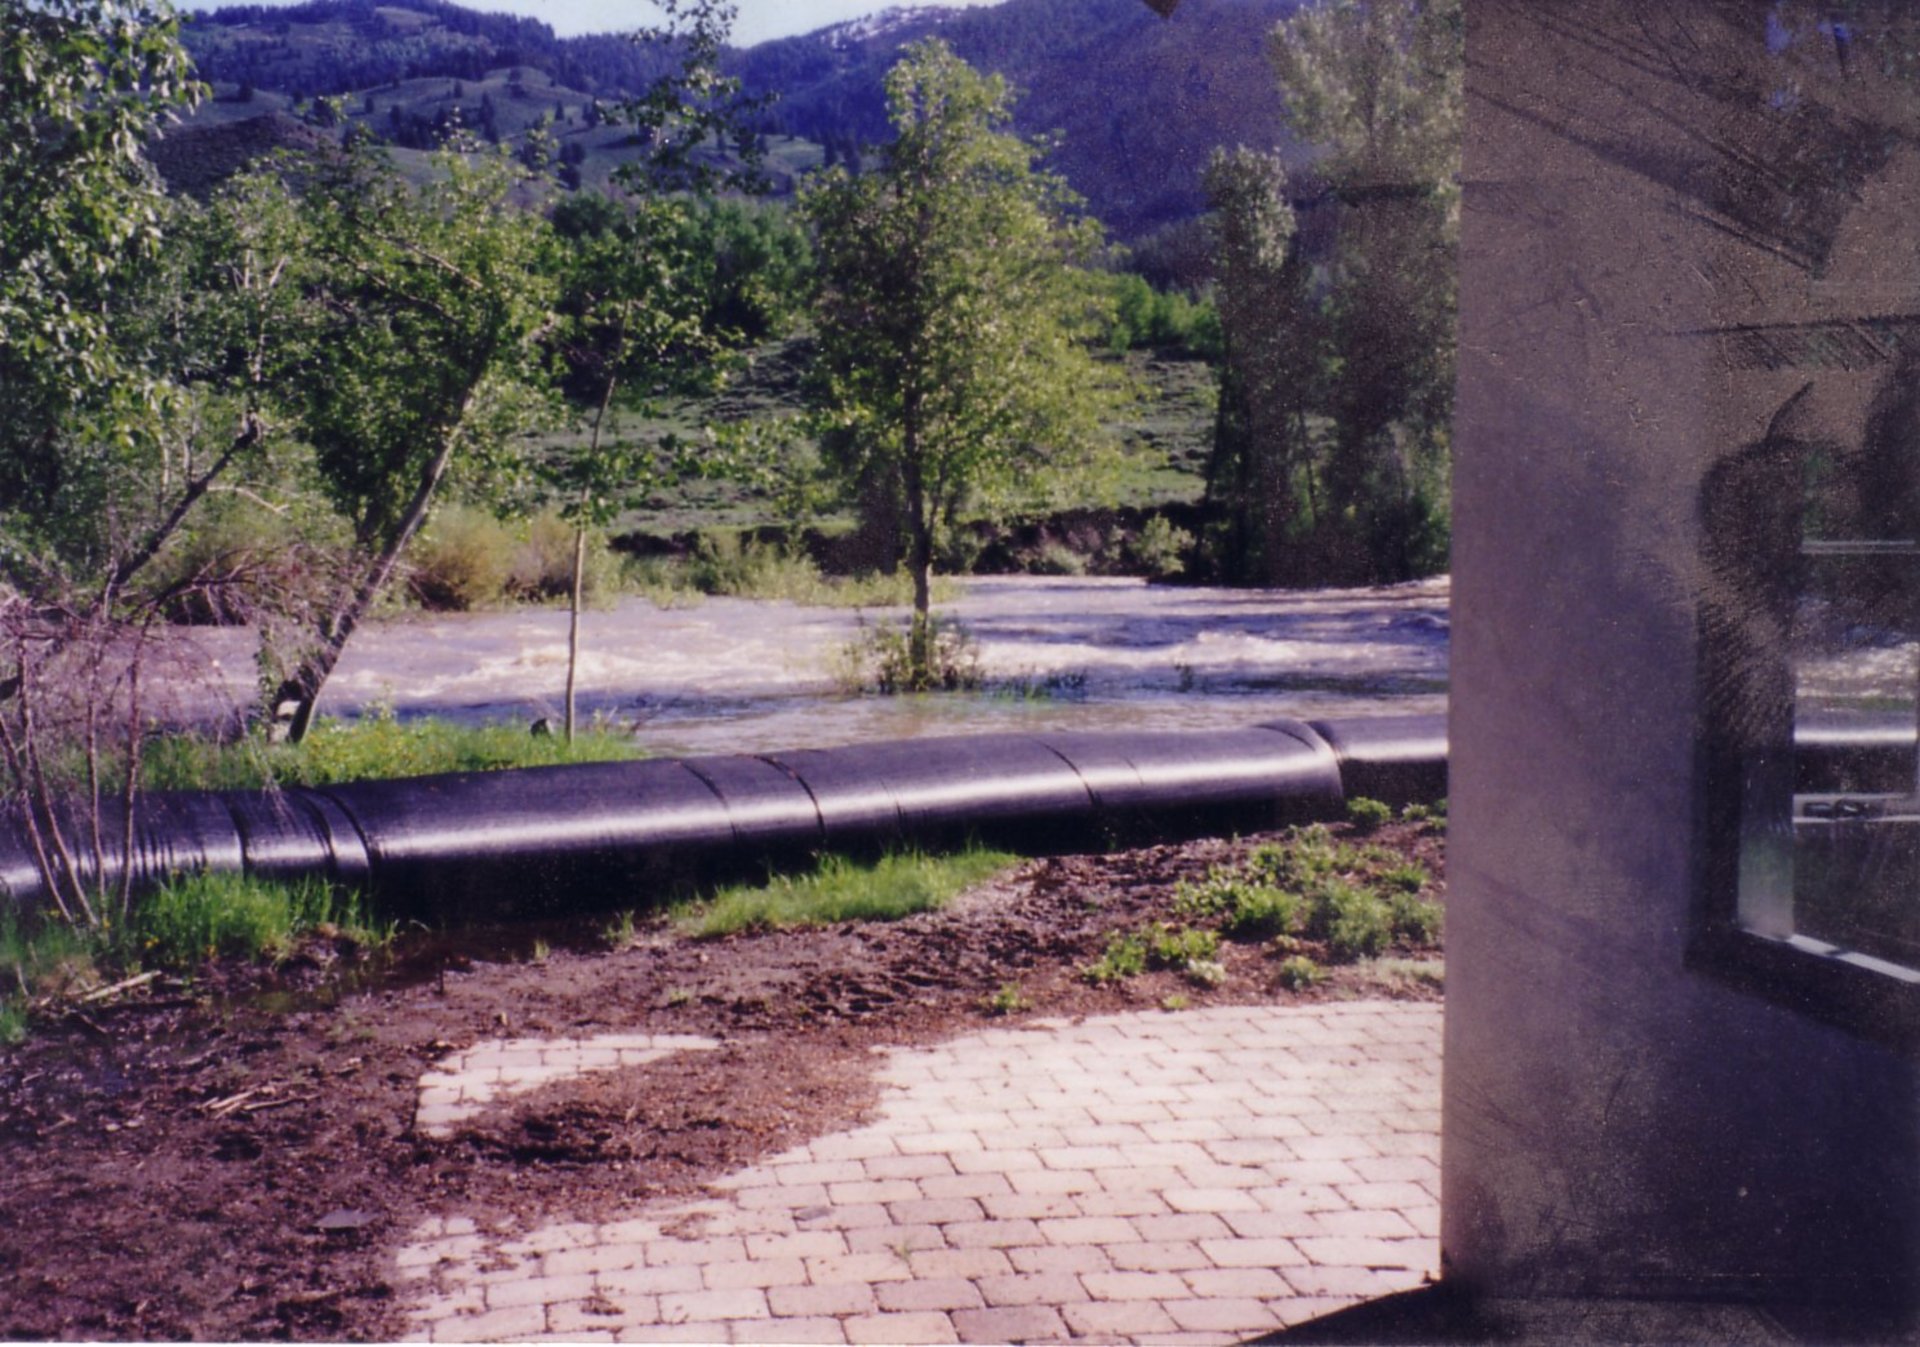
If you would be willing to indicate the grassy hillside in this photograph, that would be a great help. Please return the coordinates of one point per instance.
(1163, 441)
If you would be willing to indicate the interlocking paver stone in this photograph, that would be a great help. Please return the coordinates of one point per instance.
(1133, 1178)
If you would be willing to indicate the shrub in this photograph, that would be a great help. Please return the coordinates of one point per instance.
(1207, 900)
(1245, 908)
(1264, 912)
(1180, 947)
(1125, 956)
(461, 561)
(880, 660)
(724, 564)
(1309, 856)
(1159, 550)
(1354, 922)
(1054, 558)
(1368, 815)
(1299, 973)
(542, 564)
(235, 554)
(1415, 920)
(1408, 878)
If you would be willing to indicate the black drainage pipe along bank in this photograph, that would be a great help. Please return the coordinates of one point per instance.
(522, 842)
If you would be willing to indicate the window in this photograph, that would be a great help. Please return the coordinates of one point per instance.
(1811, 653)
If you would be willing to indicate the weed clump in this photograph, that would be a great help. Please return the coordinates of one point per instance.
(1189, 950)
(1009, 999)
(1124, 957)
(1312, 898)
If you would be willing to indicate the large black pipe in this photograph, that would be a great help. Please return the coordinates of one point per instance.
(531, 840)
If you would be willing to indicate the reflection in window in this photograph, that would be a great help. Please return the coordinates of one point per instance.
(1818, 544)
(1853, 877)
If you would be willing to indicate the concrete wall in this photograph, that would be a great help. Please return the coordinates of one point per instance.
(1648, 186)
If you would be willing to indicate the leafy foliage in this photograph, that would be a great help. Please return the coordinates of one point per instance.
(1365, 338)
(952, 318)
(86, 82)
(1261, 471)
(424, 369)
(1353, 902)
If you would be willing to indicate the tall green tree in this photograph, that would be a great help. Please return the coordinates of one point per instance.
(137, 336)
(1261, 473)
(632, 303)
(83, 83)
(424, 369)
(953, 319)
(1378, 85)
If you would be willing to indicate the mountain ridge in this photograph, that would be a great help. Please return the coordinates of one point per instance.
(1134, 102)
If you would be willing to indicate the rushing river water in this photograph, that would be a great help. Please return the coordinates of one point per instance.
(734, 675)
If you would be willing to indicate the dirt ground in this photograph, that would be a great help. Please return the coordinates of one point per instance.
(180, 1165)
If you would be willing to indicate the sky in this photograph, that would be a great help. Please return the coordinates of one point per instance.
(758, 21)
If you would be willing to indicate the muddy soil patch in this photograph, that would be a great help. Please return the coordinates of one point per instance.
(178, 1169)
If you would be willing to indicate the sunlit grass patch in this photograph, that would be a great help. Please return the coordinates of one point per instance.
(374, 747)
(842, 890)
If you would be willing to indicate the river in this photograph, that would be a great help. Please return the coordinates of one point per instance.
(737, 675)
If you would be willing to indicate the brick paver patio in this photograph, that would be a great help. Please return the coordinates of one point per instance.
(1204, 1176)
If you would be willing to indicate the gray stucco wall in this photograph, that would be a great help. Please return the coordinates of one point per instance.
(1617, 1121)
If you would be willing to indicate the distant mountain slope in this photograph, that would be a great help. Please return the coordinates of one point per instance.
(1137, 101)
(346, 46)
(198, 157)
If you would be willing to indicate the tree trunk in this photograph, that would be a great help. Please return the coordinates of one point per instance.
(295, 700)
(573, 622)
(920, 563)
(578, 589)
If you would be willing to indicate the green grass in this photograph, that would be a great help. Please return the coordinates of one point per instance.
(841, 890)
(35, 960)
(374, 747)
(187, 921)
(196, 917)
